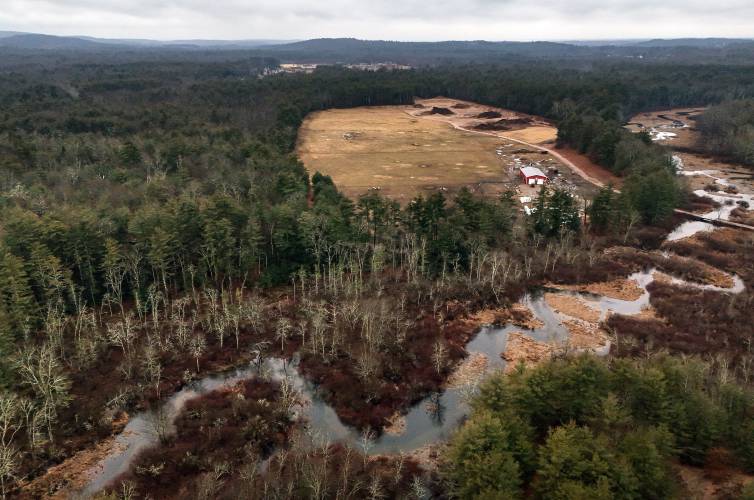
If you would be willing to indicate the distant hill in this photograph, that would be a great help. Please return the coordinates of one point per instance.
(197, 43)
(352, 50)
(48, 42)
(695, 42)
(39, 41)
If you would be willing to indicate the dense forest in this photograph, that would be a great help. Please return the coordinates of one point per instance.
(155, 221)
(583, 428)
(728, 130)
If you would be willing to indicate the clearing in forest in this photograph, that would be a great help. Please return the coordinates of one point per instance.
(436, 144)
(675, 127)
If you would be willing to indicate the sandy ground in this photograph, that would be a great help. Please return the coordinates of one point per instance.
(523, 349)
(574, 307)
(621, 289)
(469, 371)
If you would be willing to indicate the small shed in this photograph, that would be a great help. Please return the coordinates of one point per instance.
(533, 175)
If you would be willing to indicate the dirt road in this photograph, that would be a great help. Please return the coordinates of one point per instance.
(576, 169)
(584, 175)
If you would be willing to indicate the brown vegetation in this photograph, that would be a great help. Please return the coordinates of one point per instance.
(469, 371)
(585, 335)
(621, 289)
(523, 350)
(217, 436)
(696, 321)
(574, 307)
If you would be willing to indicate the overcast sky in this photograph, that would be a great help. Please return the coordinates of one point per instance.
(382, 19)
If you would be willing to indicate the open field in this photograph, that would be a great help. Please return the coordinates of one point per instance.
(403, 151)
(674, 127)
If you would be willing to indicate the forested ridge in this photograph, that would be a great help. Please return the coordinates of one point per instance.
(148, 207)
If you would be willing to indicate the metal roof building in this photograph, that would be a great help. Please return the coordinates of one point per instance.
(533, 175)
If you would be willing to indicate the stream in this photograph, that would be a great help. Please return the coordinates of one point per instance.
(433, 418)
(430, 420)
(728, 202)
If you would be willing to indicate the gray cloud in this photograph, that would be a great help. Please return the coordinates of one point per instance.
(383, 19)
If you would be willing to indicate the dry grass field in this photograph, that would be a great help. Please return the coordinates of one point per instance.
(403, 151)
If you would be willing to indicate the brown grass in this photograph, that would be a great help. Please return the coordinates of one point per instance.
(401, 155)
(468, 371)
(401, 151)
(574, 307)
(621, 289)
(523, 349)
(585, 335)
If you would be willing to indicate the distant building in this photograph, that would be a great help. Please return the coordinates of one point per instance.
(532, 176)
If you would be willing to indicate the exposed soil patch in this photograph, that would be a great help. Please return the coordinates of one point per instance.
(592, 169)
(489, 115)
(505, 124)
(439, 111)
(428, 456)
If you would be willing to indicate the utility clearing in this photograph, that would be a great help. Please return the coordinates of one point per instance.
(437, 144)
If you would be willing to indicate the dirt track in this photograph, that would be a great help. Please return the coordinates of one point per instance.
(596, 175)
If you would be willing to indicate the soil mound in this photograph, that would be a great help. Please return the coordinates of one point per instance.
(505, 124)
(439, 111)
(489, 114)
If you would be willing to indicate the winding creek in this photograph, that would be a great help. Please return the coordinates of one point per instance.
(728, 202)
(431, 419)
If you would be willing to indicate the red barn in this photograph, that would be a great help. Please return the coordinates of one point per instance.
(532, 176)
